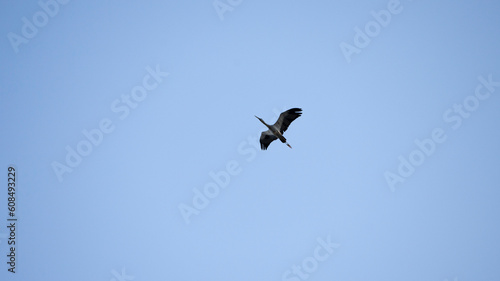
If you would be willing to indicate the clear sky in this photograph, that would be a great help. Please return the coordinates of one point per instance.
(132, 131)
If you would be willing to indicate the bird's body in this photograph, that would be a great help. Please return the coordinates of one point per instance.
(276, 131)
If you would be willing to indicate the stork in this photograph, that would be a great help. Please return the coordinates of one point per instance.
(276, 131)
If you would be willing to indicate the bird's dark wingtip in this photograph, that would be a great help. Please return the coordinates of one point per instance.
(295, 110)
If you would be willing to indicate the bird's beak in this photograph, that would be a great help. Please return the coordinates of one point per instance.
(261, 120)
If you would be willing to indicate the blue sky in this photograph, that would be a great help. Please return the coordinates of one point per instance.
(131, 128)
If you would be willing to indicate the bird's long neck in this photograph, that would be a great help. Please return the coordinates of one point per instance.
(264, 123)
(268, 126)
(271, 128)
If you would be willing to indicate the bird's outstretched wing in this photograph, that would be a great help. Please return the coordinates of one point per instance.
(266, 138)
(286, 118)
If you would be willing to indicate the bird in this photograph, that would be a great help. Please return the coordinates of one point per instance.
(276, 131)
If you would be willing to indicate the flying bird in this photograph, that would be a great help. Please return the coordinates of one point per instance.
(276, 131)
